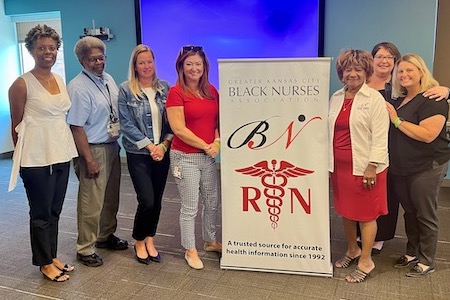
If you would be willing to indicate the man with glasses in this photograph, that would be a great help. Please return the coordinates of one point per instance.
(94, 121)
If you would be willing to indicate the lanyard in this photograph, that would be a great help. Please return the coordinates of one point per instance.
(112, 114)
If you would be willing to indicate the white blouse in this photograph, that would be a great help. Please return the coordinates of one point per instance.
(156, 115)
(44, 137)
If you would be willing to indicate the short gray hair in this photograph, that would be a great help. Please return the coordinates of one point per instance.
(87, 43)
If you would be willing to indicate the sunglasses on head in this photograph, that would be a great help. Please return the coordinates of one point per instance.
(192, 48)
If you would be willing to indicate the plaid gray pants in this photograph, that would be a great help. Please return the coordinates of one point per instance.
(197, 178)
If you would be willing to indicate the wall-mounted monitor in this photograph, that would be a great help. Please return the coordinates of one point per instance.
(229, 29)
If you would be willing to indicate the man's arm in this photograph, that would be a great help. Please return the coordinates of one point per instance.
(79, 135)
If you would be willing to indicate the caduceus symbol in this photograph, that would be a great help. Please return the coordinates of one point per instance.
(274, 191)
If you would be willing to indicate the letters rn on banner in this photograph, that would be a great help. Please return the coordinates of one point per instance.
(275, 193)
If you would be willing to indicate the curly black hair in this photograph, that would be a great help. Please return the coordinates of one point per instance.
(41, 31)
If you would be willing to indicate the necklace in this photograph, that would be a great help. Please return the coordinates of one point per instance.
(347, 104)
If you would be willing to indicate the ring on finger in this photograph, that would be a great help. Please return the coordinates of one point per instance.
(372, 182)
(364, 180)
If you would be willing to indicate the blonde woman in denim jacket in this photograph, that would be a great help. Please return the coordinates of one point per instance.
(146, 139)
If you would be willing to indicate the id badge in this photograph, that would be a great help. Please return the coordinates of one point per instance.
(177, 172)
(113, 129)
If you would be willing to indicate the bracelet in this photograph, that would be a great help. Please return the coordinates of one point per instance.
(373, 164)
(164, 147)
(217, 144)
(397, 122)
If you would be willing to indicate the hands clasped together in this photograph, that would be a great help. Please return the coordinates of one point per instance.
(212, 149)
(157, 152)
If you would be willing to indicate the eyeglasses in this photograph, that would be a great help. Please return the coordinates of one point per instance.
(95, 59)
(381, 57)
(192, 48)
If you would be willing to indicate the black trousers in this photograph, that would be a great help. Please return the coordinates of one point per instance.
(418, 194)
(149, 180)
(46, 188)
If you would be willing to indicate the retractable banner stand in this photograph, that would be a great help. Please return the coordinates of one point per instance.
(274, 165)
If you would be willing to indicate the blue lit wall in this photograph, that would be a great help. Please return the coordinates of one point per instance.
(229, 29)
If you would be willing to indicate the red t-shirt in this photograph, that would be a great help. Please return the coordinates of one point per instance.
(201, 116)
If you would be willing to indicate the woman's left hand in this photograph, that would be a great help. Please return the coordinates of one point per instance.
(370, 177)
(392, 112)
(157, 152)
(437, 93)
(212, 150)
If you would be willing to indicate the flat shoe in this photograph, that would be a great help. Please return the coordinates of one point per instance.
(209, 247)
(346, 261)
(144, 261)
(357, 276)
(197, 265)
(375, 251)
(417, 271)
(156, 258)
(403, 262)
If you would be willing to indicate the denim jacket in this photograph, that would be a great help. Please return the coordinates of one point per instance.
(136, 118)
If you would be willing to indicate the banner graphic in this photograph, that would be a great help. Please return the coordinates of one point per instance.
(275, 190)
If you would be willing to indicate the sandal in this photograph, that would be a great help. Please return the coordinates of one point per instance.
(346, 261)
(67, 268)
(58, 278)
(357, 276)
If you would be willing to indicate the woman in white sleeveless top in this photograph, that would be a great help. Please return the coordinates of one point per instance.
(44, 147)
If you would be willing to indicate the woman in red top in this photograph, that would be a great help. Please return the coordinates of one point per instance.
(193, 113)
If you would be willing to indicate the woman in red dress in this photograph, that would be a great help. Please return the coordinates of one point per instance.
(359, 124)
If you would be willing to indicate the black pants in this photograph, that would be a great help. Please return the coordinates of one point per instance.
(46, 188)
(418, 194)
(149, 180)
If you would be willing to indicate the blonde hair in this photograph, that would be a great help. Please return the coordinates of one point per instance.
(133, 78)
(426, 80)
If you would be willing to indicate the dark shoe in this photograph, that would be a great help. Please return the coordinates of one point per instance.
(403, 262)
(61, 277)
(113, 243)
(357, 276)
(375, 251)
(156, 258)
(417, 271)
(144, 261)
(346, 261)
(93, 260)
